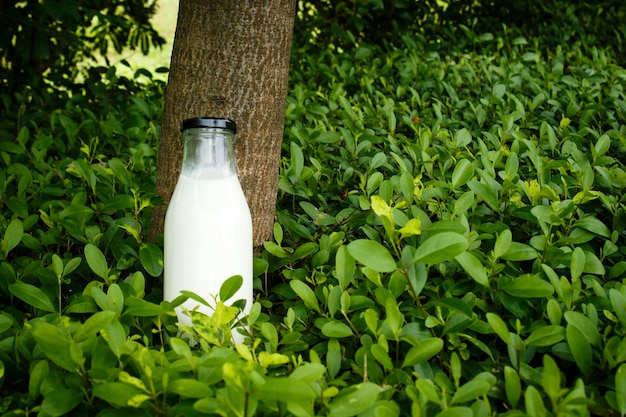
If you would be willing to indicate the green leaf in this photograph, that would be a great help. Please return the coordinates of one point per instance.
(488, 194)
(462, 137)
(116, 393)
(336, 329)
(470, 391)
(344, 267)
(474, 268)
(306, 294)
(440, 247)
(308, 372)
(546, 336)
(580, 348)
(594, 225)
(32, 296)
(454, 304)
(512, 386)
(423, 351)
(503, 244)
(382, 356)
(93, 325)
(499, 326)
(60, 401)
(395, 318)
(189, 388)
(13, 235)
(534, 403)
(354, 400)
(528, 286)
(151, 258)
(96, 260)
(584, 325)
(120, 171)
(520, 252)
(286, 389)
(6, 322)
(551, 378)
(618, 301)
(270, 333)
(372, 254)
(620, 389)
(463, 172)
(118, 202)
(297, 159)
(456, 412)
(577, 264)
(230, 287)
(55, 344)
(427, 388)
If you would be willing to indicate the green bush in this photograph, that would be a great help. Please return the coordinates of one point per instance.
(449, 242)
(49, 40)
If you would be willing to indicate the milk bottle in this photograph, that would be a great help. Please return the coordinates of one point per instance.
(208, 228)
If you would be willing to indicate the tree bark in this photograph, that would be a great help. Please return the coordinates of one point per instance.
(230, 58)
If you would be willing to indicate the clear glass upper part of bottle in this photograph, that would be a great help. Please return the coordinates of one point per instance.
(208, 148)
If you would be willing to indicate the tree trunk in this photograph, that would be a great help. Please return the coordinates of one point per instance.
(230, 59)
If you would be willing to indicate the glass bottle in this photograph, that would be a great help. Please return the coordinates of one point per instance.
(208, 227)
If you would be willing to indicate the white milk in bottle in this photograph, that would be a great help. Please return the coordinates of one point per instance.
(208, 228)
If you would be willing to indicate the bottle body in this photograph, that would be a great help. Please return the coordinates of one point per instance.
(208, 227)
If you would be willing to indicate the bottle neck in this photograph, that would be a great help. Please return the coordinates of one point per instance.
(208, 153)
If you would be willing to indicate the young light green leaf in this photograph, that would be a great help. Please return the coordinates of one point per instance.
(372, 254)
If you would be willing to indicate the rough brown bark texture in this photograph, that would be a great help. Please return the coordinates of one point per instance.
(230, 59)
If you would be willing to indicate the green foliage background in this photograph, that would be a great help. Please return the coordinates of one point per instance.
(449, 237)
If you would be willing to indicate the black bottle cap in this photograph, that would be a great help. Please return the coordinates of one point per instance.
(218, 122)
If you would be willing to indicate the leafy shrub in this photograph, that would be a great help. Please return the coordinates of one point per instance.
(52, 37)
(449, 242)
